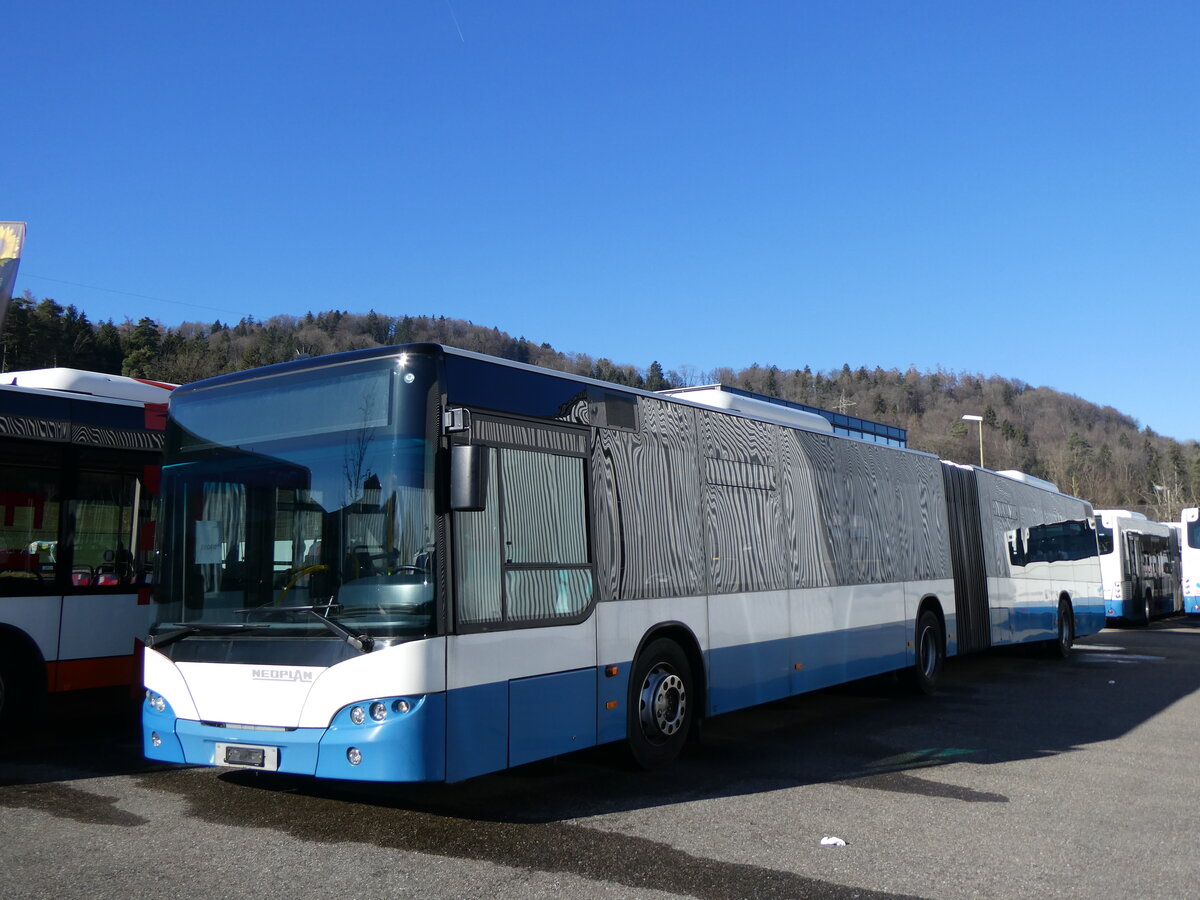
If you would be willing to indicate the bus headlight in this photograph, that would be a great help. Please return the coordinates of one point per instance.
(379, 712)
(156, 701)
(354, 756)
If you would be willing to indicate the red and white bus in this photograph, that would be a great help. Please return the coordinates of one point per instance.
(79, 464)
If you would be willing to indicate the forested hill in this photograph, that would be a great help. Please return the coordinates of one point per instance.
(1094, 452)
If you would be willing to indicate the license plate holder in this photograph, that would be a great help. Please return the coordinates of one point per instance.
(248, 756)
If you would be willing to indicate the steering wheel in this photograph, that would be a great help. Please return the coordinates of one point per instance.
(300, 573)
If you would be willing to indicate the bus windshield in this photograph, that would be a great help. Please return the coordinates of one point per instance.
(303, 493)
(1104, 537)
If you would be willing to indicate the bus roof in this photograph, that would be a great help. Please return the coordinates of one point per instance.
(97, 384)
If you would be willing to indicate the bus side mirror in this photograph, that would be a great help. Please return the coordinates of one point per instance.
(468, 477)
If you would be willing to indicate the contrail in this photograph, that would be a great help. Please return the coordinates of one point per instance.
(456, 25)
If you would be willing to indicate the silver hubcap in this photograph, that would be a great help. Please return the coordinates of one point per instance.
(663, 703)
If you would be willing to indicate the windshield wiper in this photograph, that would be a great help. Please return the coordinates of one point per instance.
(361, 642)
(158, 641)
(364, 642)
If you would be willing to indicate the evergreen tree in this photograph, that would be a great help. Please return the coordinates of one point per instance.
(654, 378)
(142, 349)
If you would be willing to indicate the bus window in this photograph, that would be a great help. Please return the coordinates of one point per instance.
(106, 531)
(544, 535)
(524, 557)
(29, 519)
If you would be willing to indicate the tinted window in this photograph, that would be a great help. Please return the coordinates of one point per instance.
(524, 558)
(30, 513)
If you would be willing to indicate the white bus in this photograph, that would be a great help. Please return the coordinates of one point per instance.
(422, 564)
(1139, 561)
(1189, 543)
(79, 460)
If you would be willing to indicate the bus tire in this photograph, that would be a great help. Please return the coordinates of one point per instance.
(1144, 617)
(1060, 646)
(22, 686)
(661, 704)
(930, 654)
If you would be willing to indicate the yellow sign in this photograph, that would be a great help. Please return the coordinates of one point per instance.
(12, 239)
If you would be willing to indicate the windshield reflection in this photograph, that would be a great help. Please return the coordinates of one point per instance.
(287, 532)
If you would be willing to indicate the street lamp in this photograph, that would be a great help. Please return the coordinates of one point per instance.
(979, 419)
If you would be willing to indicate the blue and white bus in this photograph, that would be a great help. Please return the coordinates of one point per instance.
(1189, 546)
(422, 564)
(1139, 562)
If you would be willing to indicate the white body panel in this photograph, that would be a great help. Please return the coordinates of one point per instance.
(476, 659)
(96, 625)
(38, 617)
(294, 696)
(621, 623)
(737, 619)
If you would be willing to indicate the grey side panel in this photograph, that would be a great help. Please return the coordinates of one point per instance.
(808, 548)
(883, 511)
(648, 539)
(1015, 506)
(742, 504)
(697, 502)
(492, 431)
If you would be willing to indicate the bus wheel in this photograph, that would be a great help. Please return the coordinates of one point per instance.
(19, 687)
(1060, 647)
(1145, 618)
(930, 654)
(660, 704)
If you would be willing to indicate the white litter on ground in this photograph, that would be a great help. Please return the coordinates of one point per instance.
(832, 842)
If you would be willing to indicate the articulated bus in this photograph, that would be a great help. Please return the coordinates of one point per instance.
(1139, 561)
(422, 564)
(1189, 545)
(79, 461)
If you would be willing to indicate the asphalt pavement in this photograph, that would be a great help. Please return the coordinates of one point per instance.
(1023, 777)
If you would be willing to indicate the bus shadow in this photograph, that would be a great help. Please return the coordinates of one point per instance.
(1006, 705)
(85, 734)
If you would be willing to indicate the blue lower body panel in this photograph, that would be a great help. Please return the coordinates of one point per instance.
(758, 673)
(1089, 615)
(406, 746)
(510, 723)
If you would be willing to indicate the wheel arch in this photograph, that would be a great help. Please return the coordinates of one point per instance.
(932, 603)
(20, 655)
(22, 646)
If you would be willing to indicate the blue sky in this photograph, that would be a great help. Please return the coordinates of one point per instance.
(1007, 188)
